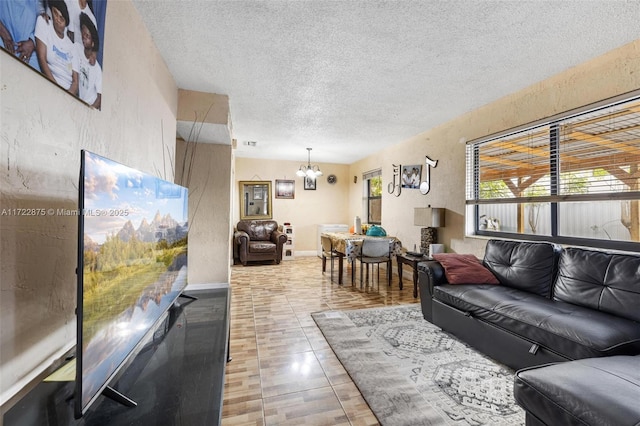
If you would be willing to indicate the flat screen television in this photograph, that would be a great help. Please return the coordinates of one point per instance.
(132, 266)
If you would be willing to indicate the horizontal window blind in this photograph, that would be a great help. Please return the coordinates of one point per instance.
(576, 177)
(372, 173)
(594, 155)
(600, 151)
(513, 166)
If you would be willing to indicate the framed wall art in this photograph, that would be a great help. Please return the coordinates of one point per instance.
(60, 39)
(310, 183)
(285, 188)
(411, 176)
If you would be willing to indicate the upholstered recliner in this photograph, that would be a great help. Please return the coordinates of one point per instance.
(258, 240)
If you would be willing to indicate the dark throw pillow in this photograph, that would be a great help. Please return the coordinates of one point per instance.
(464, 269)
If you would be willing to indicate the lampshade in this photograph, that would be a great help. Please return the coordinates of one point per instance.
(309, 170)
(428, 216)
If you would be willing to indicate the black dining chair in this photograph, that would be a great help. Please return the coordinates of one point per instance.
(328, 251)
(375, 252)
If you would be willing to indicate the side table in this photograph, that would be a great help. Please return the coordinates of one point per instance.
(411, 260)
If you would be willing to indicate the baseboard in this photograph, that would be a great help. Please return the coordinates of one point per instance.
(205, 286)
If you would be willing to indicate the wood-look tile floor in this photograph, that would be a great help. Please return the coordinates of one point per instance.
(283, 371)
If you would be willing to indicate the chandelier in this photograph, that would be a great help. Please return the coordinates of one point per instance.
(309, 170)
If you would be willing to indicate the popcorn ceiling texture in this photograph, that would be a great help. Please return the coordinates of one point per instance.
(351, 77)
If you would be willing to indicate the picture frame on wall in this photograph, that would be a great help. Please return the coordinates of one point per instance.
(309, 183)
(411, 176)
(76, 67)
(285, 188)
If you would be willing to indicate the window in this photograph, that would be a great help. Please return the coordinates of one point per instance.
(573, 180)
(373, 190)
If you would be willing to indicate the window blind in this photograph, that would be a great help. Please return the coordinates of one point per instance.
(575, 177)
(594, 155)
(600, 152)
(372, 173)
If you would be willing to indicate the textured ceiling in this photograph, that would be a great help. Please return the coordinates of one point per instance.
(348, 78)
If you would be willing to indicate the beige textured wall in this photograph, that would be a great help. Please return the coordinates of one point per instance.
(209, 209)
(327, 204)
(200, 107)
(609, 75)
(42, 131)
(604, 77)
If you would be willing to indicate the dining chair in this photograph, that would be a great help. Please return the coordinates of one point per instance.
(328, 251)
(375, 252)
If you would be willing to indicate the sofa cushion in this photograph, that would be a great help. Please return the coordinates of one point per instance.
(464, 269)
(258, 230)
(598, 391)
(524, 265)
(569, 330)
(608, 282)
(262, 247)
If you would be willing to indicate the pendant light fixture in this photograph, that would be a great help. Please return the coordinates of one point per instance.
(309, 170)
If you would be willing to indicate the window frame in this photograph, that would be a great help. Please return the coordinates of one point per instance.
(368, 198)
(555, 198)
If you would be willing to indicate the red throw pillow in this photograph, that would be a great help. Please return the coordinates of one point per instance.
(464, 269)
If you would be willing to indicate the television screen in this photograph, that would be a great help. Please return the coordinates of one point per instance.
(132, 265)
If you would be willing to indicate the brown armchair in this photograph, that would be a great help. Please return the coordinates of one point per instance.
(258, 240)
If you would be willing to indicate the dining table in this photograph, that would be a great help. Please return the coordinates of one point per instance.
(348, 245)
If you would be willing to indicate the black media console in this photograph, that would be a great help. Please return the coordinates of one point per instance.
(176, 378)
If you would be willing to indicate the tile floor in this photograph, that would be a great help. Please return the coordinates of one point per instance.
(283, 371)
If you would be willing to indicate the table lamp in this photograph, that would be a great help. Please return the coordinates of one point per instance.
(430, 218)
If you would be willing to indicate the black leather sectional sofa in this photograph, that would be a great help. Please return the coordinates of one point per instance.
(592, 391)
(552, 305)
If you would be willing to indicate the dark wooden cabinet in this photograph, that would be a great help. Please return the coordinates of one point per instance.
(176, 377)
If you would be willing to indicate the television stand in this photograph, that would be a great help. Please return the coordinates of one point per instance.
(116, 396)
(178, 380)
(187, 296)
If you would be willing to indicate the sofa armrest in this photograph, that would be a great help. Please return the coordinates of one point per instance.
(434, 273)
(240, 246)
(278, 238)
(240, 237)
(430, 274)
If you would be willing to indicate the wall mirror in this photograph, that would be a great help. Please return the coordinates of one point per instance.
(255, 199)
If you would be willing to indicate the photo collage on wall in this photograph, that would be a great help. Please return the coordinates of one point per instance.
(61, 39)
(411, 176)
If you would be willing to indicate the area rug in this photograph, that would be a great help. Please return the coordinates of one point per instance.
(410, 372)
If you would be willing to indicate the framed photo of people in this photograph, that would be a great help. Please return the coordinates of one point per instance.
(61, 39)
(411, 176)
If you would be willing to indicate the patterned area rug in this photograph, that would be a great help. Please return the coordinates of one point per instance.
(412, 373)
